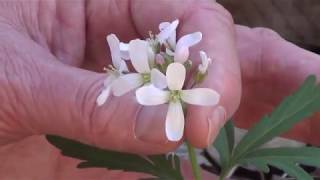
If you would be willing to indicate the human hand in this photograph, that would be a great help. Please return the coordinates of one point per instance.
(49, 53)
(272, 68)
(39, 84)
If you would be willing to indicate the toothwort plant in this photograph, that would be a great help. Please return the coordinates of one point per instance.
(161, 65)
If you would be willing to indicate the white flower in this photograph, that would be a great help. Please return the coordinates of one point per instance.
(142, 60)
(124, 50)
(180, 49)
(115, 71)
(168, 33)
(181, 53)
(175, 76)
(205, 61)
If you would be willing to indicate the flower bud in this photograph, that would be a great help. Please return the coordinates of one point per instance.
(159, 59)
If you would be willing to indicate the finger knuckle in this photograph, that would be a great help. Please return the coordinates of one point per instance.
(266, 33)
(215, 8)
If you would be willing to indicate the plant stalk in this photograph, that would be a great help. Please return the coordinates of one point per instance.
(228, 171)
(194, 163)
(196, 170)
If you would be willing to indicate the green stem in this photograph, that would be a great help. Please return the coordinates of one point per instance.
(196, 170)
(227, 172)
(194, 163)
(224, 173)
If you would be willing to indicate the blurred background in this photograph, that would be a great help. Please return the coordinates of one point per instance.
(296, 20)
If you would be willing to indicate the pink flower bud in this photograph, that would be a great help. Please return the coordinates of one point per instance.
(159, 59)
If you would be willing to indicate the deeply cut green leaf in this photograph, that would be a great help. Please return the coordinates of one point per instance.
(300, 105)
(293, 109)
(303, 155)
(160, 166)
(292, 170)
(261, 165)
(225, 142)
(285, 159)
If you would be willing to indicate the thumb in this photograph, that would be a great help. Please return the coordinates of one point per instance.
(42, 96)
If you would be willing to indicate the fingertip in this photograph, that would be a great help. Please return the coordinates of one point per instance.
(216, 121)
(147, 148)
(169, 146)
(203, 125)
(150, 124)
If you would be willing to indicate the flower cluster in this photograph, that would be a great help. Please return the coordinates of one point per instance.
(160, 63)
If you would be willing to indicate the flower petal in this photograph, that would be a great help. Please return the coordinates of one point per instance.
(169, 52)
(124, 51)
(102, 98)
(138, 51)
(123, 67)
(205, 61)
(176, 74)
(172, 38)
(125, 55)
(183, 44)
(181, 55)
(114, 42)
(124, 46)
(158, 79)
(174, 122)
(163, 25)
(151, 56)
(204, 57)
(126, 83)
(150, 95)
(167, 31)
(200, 96)
(189, 40)
(108, 80)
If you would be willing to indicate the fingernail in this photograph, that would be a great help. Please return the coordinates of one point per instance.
(215, 123)
(150, 122)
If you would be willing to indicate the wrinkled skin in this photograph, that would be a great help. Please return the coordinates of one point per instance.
(51, 53)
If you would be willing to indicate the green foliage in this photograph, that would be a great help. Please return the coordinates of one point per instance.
(225, 142)
(160, 166)
(293, 170)
(305, 155)
(285, 159)
(300, 105)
